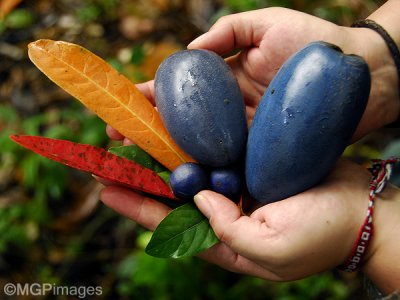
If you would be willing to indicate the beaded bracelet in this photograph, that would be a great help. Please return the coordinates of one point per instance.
(391, 44)
(381, 171)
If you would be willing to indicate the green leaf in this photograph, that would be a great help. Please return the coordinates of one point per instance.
(184, 232)
(138, 55)
(133, 152)
(19, 19)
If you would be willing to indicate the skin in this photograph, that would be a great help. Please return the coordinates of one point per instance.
(315, 230)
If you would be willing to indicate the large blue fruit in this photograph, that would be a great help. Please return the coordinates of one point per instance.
(202, 107)
(305, 121)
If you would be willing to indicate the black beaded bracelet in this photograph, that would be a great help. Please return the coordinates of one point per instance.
(394, 50)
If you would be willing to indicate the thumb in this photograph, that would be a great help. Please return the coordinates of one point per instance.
(243, 234)
(220, 211)
(220, 40)
(227, 34)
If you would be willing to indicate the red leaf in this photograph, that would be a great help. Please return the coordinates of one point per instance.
(97, 161)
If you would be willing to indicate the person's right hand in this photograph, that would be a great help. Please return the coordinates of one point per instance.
(267, 37)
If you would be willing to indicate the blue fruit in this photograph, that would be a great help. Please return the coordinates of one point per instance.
(305, 120)
(202, 107)
(187, 180)
(227, 181)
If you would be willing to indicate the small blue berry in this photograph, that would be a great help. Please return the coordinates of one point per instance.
(227, 181)
(187, 180)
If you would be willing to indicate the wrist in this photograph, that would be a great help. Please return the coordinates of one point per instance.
(384, 103)
(382, 264)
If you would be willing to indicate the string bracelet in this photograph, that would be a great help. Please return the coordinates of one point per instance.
(391, 44)
(381, 170)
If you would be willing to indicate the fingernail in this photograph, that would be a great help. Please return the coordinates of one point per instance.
(203, 204)
(196, 40)
(97, 178)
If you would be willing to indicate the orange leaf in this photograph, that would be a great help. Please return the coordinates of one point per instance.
(109, 94)
(6, 6)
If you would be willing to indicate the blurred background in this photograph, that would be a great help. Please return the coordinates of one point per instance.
(52, 227)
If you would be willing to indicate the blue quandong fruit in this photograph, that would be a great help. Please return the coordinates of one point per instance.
(305, 120)
(202, 107)
(190, 178)
(187, 180)
(227, 181)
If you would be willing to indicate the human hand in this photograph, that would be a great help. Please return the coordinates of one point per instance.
(291, 239)
(286, 240)
(267, 37)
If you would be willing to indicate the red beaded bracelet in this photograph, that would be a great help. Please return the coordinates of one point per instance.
(381, 171)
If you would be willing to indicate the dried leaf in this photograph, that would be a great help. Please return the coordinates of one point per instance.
(109, 94)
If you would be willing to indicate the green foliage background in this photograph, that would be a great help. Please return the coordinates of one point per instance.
(52, 227)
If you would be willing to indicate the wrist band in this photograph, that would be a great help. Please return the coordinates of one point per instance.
(381, 171)
(391, 44)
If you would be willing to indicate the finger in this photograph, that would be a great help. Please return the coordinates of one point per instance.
(143, 210)
(241, 233)
(251, 84)
(113, 134)
(104, 181)
(149, 213)
(127, 142)
(223, 256)
(147, 89)
(228, 33)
